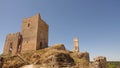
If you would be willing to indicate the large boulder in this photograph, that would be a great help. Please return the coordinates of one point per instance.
(31, 66)
(84, 55)
(60, 60)
(100, 62)
(58, 46)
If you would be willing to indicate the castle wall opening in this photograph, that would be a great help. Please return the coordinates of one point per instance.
(28, 24)
(19, 48)
(11, 48)
(40, 46)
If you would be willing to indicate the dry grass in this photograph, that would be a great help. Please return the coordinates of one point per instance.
(42, 56)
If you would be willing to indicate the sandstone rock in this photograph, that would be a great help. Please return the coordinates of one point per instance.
(31, 66)
(100, 62)
(60, 60)
(84, 55)
(58, 47)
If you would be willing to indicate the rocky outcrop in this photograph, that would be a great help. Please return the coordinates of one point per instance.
(84, 55)
(100, 62)
(59, 60)
(31, 66)
(55, 56)
(58, 46)
(48, 58)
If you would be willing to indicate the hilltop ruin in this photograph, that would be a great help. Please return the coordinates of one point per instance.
(33, 36)
(30, 46)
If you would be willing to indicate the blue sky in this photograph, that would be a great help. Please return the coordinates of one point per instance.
(95, 22)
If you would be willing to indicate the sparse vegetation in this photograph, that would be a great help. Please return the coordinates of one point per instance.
(53, 56)
(45, 56)
(113, 64)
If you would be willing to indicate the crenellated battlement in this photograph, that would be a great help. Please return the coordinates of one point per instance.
(14, 34)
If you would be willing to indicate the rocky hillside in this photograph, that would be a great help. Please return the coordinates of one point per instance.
(53, 57)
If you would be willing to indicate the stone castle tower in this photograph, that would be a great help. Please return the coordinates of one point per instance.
(33, 36)
(76, 44)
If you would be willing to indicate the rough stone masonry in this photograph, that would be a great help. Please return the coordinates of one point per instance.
(33, 36)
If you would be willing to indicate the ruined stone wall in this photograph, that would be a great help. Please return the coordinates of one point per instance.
(29, 33)
(100, 62)
(12, 43)
(33, 36)
(42, 35)
(34, 33)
